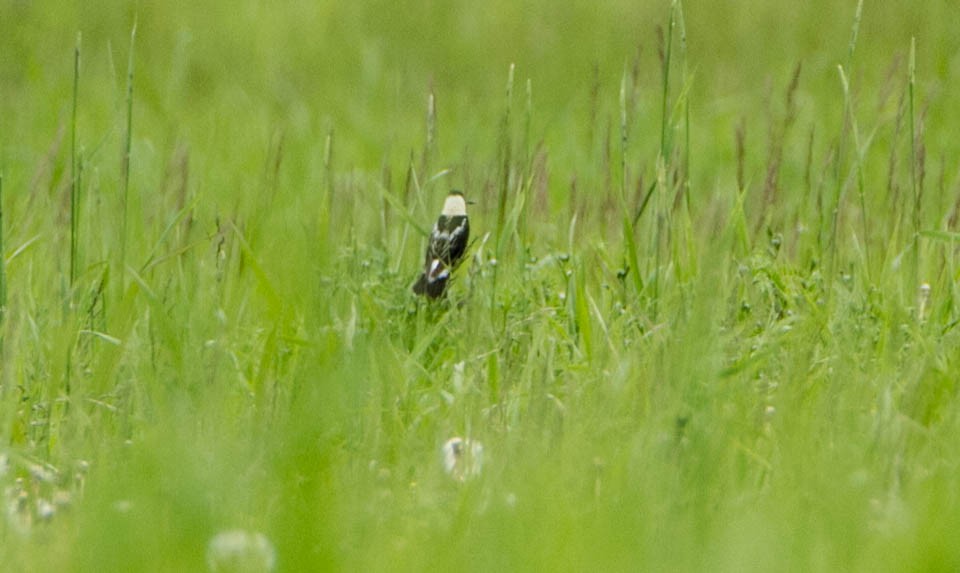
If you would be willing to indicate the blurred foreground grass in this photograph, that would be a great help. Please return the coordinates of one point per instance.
(757, 380)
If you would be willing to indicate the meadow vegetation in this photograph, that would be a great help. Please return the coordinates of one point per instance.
(708, 319)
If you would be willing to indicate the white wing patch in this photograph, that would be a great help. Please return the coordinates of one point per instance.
(459, 230)
(437, 271)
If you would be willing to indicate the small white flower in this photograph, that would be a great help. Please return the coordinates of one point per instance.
(45, 510)
(238, 550)
(462, 458)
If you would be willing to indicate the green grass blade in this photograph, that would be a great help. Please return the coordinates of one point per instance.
(74, 167)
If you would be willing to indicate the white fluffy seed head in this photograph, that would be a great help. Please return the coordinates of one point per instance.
(462, 458)
(237, 550)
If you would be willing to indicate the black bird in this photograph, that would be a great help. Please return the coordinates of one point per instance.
(448, 241)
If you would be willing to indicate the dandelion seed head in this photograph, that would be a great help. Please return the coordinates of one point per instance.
(45, 510)
(462, 458)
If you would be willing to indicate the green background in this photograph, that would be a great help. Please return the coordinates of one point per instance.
(742, 373)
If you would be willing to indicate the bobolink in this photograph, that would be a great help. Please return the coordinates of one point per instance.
(446, 246)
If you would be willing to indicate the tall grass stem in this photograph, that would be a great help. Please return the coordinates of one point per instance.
(668, 48)
(506, 150)
(3, 267)
(914, 186)
(74, 166)
(632, 260)
(861, 184)
(127, 143)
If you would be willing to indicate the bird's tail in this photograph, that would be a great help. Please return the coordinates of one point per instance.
(420, 287)
(432, 287)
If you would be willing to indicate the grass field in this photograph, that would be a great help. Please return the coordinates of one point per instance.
(708, 320)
